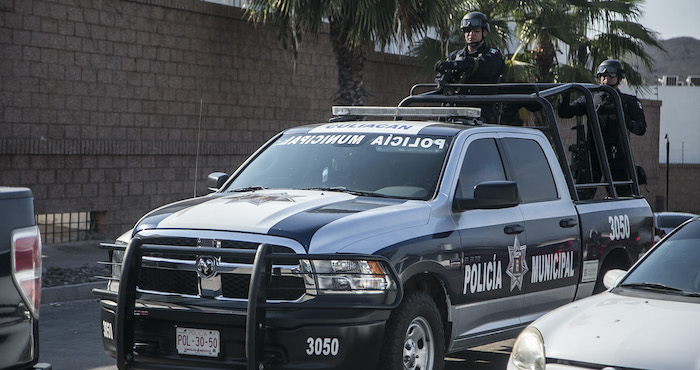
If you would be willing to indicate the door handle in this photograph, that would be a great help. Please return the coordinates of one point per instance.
(513, 229)
(568, 222)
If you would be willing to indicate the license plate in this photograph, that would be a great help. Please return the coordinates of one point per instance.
(198, 342)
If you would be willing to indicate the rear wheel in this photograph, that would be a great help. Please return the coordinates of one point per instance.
(414, 336)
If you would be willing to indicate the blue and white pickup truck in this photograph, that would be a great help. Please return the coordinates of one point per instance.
(373, 243)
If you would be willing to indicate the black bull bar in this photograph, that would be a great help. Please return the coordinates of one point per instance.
(256, 307)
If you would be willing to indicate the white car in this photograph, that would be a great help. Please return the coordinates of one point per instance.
(648, 319)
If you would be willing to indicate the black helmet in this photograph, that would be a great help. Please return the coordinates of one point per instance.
(475, 19)
(611, 67)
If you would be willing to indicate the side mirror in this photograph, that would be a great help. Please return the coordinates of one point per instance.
(612, 277)
(216, 180)
(490, 195)
(641, 175)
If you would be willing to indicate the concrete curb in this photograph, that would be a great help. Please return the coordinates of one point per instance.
(72, 292)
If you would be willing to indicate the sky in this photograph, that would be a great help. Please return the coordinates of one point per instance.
(672, 18)
(676, 18)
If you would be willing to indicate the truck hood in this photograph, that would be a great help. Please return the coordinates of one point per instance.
(621, 331)
(316, 219)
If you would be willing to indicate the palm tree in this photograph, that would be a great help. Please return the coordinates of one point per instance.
(449, 36)
(591, 30)
(617, 35)
(355, 26)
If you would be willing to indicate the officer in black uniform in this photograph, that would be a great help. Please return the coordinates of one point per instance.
(476, 63)
(610, 72)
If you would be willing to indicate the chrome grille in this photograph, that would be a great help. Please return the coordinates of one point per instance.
(176, 274)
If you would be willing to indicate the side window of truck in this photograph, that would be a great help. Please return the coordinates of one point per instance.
(481, 163)
(531, 170)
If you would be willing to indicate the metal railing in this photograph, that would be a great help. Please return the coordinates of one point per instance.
(65, 227)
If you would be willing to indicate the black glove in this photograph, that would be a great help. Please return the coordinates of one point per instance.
(442, 66)
(445, 78)
(612, 119)
(459, 66)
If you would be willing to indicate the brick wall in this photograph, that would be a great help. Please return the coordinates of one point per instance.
(683, 188)
(100, 104)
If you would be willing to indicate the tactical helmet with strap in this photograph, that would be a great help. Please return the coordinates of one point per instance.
(475, 19)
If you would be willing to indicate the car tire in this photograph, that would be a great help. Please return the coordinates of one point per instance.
(414, 337)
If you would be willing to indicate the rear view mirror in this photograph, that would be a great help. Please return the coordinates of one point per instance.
(490, 195)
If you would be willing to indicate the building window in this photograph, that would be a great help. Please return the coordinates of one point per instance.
(65, 227)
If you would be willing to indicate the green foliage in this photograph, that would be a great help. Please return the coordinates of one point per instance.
(355, 26)
(591, 31)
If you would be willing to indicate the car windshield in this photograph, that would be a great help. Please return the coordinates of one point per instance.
(673, 266)
(400, 166)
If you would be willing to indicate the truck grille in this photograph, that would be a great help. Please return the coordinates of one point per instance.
(177, 274)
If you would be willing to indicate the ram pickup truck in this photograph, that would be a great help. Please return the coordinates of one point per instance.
(20, 280)
(374, 243)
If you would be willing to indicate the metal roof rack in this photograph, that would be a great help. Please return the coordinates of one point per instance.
(460, 103)
(534, 93)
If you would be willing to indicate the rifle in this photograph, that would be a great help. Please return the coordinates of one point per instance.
(581, 160)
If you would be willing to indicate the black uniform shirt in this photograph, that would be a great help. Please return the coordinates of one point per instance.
(631, 106)
(488, 65)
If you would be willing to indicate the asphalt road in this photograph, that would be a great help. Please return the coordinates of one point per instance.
(70, 337)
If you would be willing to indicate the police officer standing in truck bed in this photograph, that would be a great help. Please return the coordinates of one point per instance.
(476, 63)
(610, 72)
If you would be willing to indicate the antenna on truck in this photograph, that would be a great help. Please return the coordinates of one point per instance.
(196, 158)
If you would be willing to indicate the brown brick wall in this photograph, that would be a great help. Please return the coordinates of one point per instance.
(100, 100)
(683, 188)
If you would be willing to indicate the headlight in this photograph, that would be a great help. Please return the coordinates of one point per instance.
(528, 351)
(117, 261)
(346, 276)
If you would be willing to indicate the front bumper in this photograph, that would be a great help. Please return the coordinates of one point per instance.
(298, 339)
(322, 332)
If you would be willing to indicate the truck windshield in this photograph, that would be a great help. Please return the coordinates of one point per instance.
(400, 166)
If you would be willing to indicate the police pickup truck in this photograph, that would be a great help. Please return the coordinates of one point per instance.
(374, 243)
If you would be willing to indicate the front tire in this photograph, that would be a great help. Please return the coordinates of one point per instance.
(414, 338)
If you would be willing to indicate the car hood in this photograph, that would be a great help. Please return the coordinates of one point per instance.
(614, 330)
(310, 217)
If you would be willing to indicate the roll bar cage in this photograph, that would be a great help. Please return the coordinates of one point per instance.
(537, 93)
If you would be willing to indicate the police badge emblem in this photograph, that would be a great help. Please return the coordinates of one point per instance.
(517, 268)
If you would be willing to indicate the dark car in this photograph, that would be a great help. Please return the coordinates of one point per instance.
(664, 222)
(20, 280)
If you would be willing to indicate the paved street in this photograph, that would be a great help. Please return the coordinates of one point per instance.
(70, 338)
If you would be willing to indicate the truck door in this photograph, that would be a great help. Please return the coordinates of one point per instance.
(492, 277)
(551, 225)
